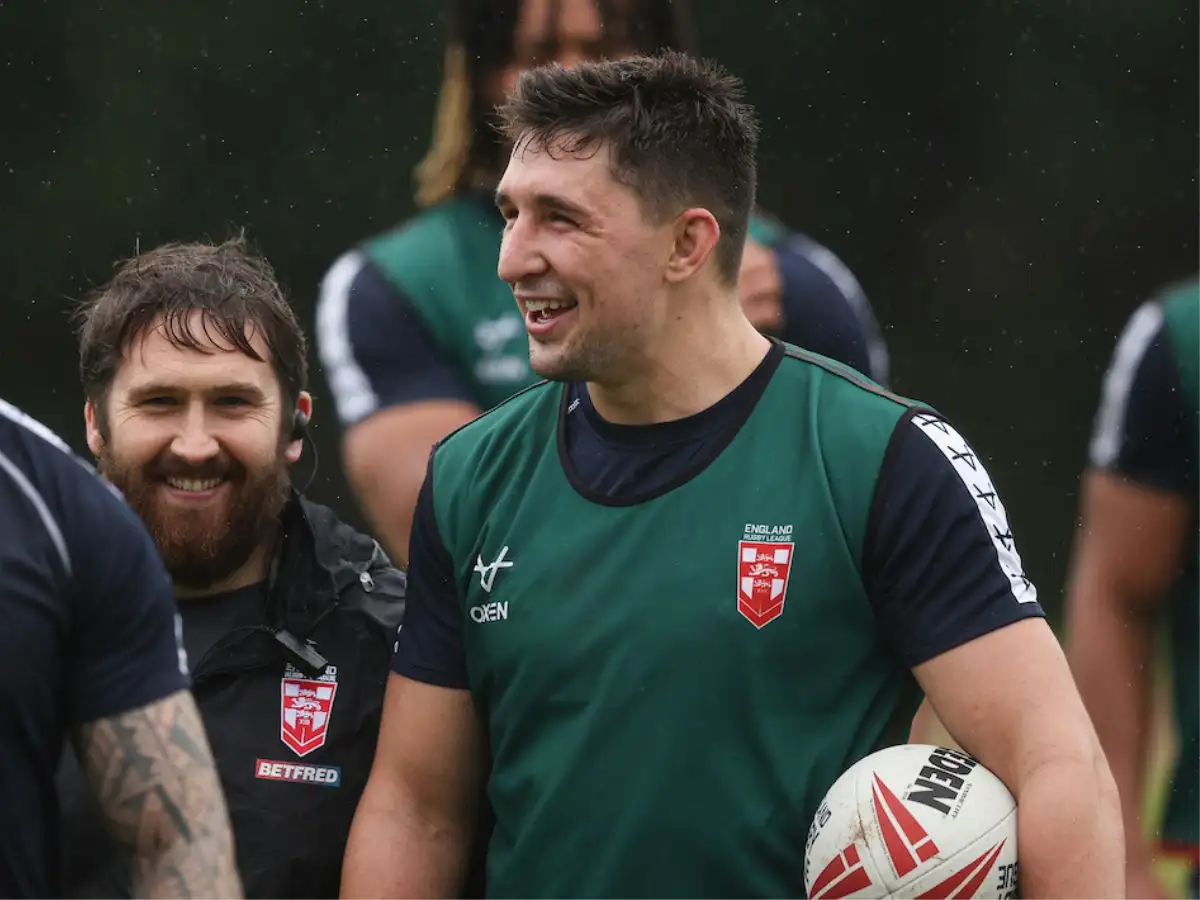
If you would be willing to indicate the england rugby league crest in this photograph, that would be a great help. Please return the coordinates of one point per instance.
(306, 706)
(763, 570)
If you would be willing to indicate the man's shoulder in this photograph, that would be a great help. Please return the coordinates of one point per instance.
(41, 462)
(60, 515)
(1181, 296)
(765, 228)
(852, 419)
(1177, 308)
(531, 411)
(836, 381)
(15, 421)
(430, 238)
(25, 439)
(336, 542)
(364, 577)
(1180, 303)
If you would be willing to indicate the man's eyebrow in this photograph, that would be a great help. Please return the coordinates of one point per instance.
(546, 201)
(562, 204)
(245, 388)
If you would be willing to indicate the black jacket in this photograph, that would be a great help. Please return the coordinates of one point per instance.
(293, 750)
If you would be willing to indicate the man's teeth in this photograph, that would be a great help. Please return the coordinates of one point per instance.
(537, 306)
(195, 485)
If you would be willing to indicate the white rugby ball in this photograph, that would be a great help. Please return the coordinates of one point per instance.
(914, 821)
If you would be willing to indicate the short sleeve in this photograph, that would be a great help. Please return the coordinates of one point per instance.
(126, 641)
(429, 647)
(1141, 426)
(941, 565)
(825, 309)
(375, 351)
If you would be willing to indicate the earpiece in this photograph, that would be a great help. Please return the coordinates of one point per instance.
(299, 425)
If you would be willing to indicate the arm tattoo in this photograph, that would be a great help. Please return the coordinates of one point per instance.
(154, 777)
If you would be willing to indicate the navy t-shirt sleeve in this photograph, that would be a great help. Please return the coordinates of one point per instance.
(126, 641)
(375, 351)
(1142, 425)
(429, 647)
(825, 309)
(941, 567)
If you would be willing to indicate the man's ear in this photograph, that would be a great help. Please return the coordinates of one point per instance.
(696, 234)
(295, 447)
(95, 434)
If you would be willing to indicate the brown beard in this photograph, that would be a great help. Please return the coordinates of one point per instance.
(202, 547)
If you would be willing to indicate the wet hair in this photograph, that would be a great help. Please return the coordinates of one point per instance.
(466, 148)
(235, 291)
(677, 130)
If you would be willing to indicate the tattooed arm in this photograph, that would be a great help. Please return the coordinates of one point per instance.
(154, 778)
(153, 775)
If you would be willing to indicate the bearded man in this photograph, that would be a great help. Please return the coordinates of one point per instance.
(194, 369)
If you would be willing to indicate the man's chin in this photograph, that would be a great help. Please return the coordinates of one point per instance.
(197, 521)
(198, 576)
(553, 364)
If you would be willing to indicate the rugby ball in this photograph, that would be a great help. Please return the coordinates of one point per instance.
(914, 821)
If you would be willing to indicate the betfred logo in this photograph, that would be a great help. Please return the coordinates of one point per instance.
(306, 706)
(764, 564)
(273, 770)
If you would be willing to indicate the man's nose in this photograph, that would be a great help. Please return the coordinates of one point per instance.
(194, 442)
(520, 257)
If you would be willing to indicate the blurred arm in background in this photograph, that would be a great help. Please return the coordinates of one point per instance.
(395, 394)
(1138, 511)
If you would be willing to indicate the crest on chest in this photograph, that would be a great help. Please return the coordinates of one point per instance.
(306, 707)
(765, 555)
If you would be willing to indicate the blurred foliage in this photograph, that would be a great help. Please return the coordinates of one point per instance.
(1007, 179)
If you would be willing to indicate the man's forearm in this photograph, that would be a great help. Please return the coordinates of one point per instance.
(925, 728)
(1069, 832)
(1108, 656)
(388, 511)
(389, 854)
(187, 869)
(153, 776)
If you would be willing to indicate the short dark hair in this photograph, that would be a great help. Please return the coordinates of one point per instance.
(677, 127)
(231, 285)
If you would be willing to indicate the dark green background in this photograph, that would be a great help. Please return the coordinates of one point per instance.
(1007, 179)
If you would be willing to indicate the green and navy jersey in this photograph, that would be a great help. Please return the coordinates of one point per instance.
(678, 635)
(419, 313)
(1147, 430)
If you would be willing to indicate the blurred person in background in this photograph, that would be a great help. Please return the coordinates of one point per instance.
(194, 370)
(417, 335)
(1135, 569)
(91, 651)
